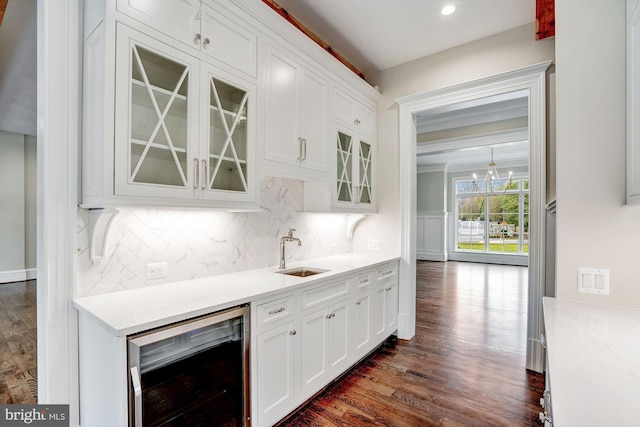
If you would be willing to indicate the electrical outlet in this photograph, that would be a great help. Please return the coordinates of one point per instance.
(374, 244)
(157, 270)
(593, 281)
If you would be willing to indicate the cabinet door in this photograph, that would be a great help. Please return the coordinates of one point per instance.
(365, 173)
(228, 140)
(281, 136)
(176, 18)
(313, 121)
(344, 167)
(391, 308)
(379, 319)
(313, 351)
(361, 325)
(338, 338)
(155, 117)
(275, 373)
(228, 42)
(633, 102)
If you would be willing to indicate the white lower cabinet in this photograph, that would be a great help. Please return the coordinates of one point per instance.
(324, 346)
(303, 340)
(275, 368)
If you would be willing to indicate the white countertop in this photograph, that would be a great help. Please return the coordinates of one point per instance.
(594, 363)
(137, 310)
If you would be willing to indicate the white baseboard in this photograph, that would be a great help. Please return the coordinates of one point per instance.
(18, 275)
(426, 256)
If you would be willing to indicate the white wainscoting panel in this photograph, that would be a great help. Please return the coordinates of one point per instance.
(431, 236)
(201, 243)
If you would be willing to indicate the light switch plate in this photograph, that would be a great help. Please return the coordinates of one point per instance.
(593, 281)
(374, 244)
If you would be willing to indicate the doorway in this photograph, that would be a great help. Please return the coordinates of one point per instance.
(532, 81)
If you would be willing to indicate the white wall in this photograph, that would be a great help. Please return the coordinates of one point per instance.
(17, 206)
(510, 50)
(593, 230)
(431, 191)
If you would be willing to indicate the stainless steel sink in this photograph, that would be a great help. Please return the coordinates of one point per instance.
(302, 271)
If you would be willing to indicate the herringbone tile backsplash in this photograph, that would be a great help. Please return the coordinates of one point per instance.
(201, 243)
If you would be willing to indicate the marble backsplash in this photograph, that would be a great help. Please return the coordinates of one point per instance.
(201, 243)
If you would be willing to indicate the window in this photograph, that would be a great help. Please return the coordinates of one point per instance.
(497, 223)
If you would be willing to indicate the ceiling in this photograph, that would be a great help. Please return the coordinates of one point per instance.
(375, 35)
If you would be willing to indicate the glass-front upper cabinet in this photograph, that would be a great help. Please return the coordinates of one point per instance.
(155, 116)
(354, 173)
(230, 125)
(184, 129)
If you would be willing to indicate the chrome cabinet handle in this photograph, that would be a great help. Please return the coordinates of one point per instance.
(292, 332)
(358, 302)
(388, 272)
(331, 315)
(196, 175)
(388, 289)
(206, 41)
(299, 149)
(204, 175)
(280, 310)
(137, 393)
(363, 281)
(304, 149)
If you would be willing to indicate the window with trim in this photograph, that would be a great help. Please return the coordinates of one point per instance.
(493, 223)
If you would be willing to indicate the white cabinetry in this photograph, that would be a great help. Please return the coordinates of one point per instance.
(324, 352)
(296, 115)
(161, 126)
(199, 27)
(306, 339)
(633, 102)
(354, 186)
(355, 114)
(385, 306)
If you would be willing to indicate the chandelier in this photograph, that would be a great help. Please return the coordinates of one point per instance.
(491, 183)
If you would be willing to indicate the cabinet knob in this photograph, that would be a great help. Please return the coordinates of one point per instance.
(197, 37)
(359, 302)
(356, 122)
(206, 41)
(292, 332)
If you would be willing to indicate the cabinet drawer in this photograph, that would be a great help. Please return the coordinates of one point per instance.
(324, 293)
(363, 281)
(271, 311)
(387, 272)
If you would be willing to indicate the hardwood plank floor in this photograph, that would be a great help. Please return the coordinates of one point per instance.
(18, 374)
(464, 367)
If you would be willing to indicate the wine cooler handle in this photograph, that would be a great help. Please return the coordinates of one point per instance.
(137, 393)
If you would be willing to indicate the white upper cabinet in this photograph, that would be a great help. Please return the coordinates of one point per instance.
(633, 102)
(354, 186)
(183, 129)
(355, 114)
(296, 115)
(200, 27)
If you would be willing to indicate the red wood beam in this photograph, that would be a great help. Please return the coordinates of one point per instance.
(300, 26)
(545, 19)
(3, 7)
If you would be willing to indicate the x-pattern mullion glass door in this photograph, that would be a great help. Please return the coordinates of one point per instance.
(229, 137)
(365, 170)
(157, 127)
(344, 172)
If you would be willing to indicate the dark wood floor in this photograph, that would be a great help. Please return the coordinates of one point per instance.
(18, 375)
(464, 367)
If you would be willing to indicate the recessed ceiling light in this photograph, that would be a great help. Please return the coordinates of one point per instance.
(448, 9)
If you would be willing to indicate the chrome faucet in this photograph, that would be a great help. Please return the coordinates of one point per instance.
(288, 238)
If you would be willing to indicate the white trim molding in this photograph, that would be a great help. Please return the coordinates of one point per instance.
(59, 95)
(485, 139)
(18, 275)
(431, 236)
(531, 79)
